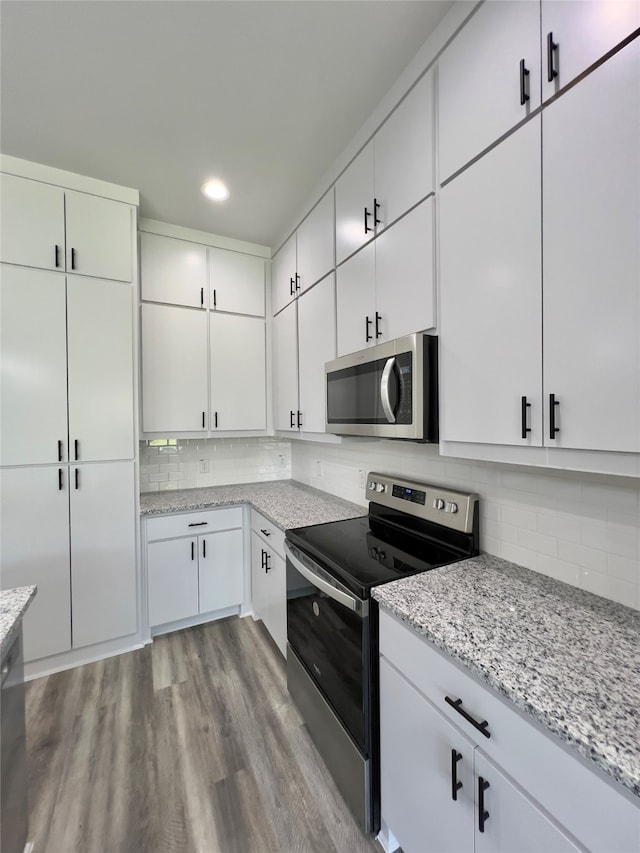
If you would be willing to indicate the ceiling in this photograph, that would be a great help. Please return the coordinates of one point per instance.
(160, 94)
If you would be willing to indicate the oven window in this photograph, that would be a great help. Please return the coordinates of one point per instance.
(353, 393)
(329, 640)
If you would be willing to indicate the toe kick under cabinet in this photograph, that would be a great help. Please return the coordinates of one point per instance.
(195, 567)
(472, 775)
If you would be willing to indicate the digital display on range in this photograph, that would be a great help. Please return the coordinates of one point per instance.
(413, 495)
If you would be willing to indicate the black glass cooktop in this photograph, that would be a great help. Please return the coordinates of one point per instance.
(364, 552)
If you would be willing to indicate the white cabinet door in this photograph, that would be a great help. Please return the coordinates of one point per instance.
(274, 608)
(100, 347)
(172, 571)
(236, 282)
(405, 280)
(174, 369)
(592, 258)
(581, 32)
(98, 236)
(513, 823)
(103, 552)
(283, 275)
(316, 238)
(317, 345)
(285, 369)
(404, 154)
(172, 271)
(355, 219)
(238, 372)
(479, 77)
(418, 773)
(34, 549)
(490, 342)
(355, 301)
(221, 570)
(33, 364)
(258, 576)
(32, 216)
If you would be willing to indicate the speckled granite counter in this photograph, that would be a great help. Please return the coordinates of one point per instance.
(567, 658)
(284, 502)
(13, 603)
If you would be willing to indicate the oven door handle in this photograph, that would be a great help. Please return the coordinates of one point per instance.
(323, 585)
(384, 390)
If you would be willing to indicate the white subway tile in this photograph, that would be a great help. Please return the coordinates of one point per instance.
(621, 542)
(560, 526)
(516, 554)
(167, 487)
(558, 569)
(518, 517)
(586, 558)
(609, 587)
(158, 478)
(624, 569)
(537, 542)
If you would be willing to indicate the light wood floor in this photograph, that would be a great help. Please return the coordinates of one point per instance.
(190, 744)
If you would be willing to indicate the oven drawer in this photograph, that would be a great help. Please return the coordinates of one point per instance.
(533, 757)
(269, 532)
(193, 523)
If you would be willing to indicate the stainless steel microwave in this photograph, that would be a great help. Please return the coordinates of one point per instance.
(387, 391)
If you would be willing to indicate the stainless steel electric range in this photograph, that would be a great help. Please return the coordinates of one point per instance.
(332, 620)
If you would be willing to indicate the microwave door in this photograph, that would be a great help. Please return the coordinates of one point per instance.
(389, 390)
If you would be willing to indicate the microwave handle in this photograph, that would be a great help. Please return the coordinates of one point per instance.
(384, 390)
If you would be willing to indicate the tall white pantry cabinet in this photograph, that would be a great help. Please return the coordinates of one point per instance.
(67, 450)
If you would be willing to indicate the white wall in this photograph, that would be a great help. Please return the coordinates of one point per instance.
(580, 528)
(229, 460)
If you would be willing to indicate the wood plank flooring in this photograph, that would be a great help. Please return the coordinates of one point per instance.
(190, 744)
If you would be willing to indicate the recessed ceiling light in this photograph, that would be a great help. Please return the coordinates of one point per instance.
(215, 189)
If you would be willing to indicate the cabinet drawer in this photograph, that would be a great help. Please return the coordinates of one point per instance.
(558, 780)
(269, 532)
(193, 523)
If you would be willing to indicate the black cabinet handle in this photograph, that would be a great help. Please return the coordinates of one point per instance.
(204, 547)
(59, 451)
(57, 254)
(203, 420)
(456, 704)
(193, 550)
(215, 304)
(60, 482)
(552, 47)
(455, 784)
(264, 554)
(553, 429)
(267, 562)
(77, 478)
(366, 221)
(376, 208)
(266, 532)
(292, 285)
(482, 813)
(202, 297)
(292, 417)
(525, 406)
(215, 419)
(73, 259)
(198, 524)
(524, 74)
(378, 321)
(297, 282)
(367, 323)
(76, 450)
(299, 420)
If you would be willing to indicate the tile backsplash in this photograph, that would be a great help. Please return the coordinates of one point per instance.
(189, 463)
(579, 528)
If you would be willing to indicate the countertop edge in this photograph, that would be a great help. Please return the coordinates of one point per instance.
(13, 605)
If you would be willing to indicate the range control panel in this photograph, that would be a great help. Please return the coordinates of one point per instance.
(426, 500)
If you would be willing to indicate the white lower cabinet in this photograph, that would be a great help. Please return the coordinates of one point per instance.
(191, 572)
(269, 579)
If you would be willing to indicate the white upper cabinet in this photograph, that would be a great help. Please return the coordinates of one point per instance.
(236, 282)
(355, 214)
(316, 345)
(315, 243)
(355, 302)
(33, 365)
(100, 346)
(98, 236)
(591, 192)
(283, 275)
(576, 33)
(285, 369)
(174, 369)
(404, 160)
(491, 296)
(489, 79)
(172, 271)
(32, 216)
(238, 372)
(36, 217)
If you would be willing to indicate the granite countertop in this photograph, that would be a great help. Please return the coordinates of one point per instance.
(567, 658)
(13, 604)
(284, 502)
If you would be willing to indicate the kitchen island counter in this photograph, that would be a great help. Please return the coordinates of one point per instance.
(568, 659)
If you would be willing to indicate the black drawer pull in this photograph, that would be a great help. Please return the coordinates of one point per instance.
(456, 704)
(266, 532)
(482, 813)
(264, 554)
(267, 562)
(524, 77)
(367, 323)
(204, 547)
(551, 49)
(455, 784)
(197, 523)
(553, 429)
(525, 406)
